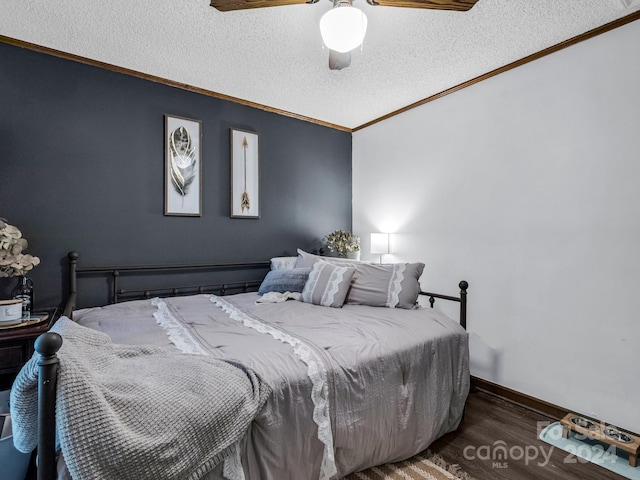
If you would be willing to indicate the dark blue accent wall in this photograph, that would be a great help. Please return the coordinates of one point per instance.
(81, 168)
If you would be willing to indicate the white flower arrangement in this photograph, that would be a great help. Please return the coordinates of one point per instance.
(12, 261)
(342, 242)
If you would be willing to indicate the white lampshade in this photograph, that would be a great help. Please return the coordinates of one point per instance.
(379, 243)
(343, 28)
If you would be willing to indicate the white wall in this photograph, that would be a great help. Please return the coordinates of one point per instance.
(527, 185)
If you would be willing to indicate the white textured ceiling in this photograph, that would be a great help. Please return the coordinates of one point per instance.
(274, 56)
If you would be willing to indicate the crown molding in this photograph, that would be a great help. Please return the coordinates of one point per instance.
(183, 86)
(126, 71)
(535, 56)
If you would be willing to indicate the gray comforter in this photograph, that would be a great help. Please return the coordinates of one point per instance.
(138, 412)
(394, 380)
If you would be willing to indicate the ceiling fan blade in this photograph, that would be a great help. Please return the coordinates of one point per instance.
(458, 5)
(229, 5)
(339, 60)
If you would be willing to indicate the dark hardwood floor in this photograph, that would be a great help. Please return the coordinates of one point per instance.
(490, 422)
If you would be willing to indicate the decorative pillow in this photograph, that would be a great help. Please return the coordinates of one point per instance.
(327, 285)
(283, 263)
(377, 285)
(387, 285)
(306, 260)
(290, 280)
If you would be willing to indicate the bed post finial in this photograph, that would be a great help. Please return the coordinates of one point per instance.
(47, 345)
(463, 303)
(73, 263)
(70, 305)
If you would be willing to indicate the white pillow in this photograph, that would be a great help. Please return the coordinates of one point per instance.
(283, 263)
(306, 260)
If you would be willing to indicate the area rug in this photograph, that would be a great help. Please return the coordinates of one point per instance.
(590, 451)
(426, 465)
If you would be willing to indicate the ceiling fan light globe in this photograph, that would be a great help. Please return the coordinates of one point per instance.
(343, 28)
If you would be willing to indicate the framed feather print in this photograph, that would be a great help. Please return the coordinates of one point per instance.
(182, 166)
(245, 174)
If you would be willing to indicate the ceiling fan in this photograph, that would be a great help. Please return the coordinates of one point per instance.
(343, 27)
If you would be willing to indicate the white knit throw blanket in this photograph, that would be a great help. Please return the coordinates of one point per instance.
(138, 412)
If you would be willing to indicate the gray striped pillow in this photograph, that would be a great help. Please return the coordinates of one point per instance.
(327, 284)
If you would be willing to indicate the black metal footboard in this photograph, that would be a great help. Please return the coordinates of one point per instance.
(47, 345)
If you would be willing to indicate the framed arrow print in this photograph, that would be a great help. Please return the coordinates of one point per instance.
(245, 174)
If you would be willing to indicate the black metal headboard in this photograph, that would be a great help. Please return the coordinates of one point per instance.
(117, 273)
(259, 270)
(462, 300)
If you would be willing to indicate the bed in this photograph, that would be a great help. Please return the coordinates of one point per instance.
(349, 380)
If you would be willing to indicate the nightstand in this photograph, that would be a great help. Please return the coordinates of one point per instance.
(16, 347)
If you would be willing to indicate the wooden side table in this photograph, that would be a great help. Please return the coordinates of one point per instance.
(16, 347)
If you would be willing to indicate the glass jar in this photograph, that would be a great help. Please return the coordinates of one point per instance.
(24, 291)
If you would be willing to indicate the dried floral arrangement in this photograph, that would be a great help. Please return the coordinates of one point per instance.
(13, 262)
(342, 242)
